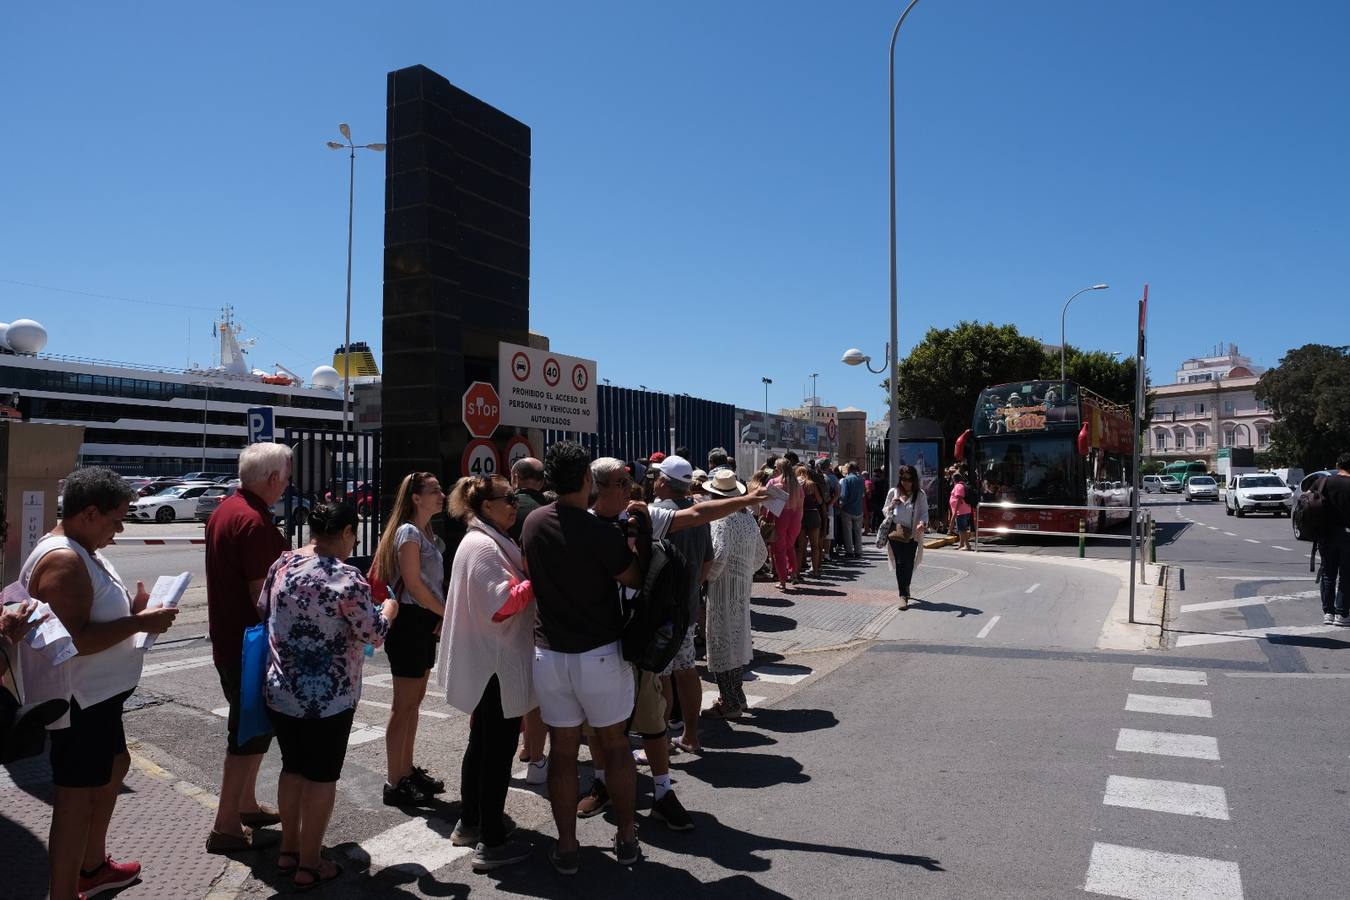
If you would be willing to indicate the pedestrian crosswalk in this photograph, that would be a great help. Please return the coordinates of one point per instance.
(1145, 873)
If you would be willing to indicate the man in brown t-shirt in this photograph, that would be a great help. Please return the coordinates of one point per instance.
(241, 544)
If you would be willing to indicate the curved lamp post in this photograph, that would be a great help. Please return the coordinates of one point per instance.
(1062, 345)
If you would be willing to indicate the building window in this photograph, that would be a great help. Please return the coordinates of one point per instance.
(1160, 441)
(1228, 437)
(1229, 407)
(1262, 406)
(1199, 409)
(1181, 440)
(1199, 440)
(1262, 436)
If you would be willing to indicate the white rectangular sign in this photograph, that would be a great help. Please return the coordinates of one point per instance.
(543, 389)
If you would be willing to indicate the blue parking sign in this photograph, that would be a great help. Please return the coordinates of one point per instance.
(260, 424)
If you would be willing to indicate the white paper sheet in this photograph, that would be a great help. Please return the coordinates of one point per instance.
(167, 592)
(777, 501)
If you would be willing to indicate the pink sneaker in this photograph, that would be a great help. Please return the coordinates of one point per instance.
(109, 877)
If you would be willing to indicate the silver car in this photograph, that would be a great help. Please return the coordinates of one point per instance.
(1201, 487)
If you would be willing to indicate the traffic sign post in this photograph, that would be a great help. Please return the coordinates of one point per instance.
(260, 425)
(481, 410)
(480, 459)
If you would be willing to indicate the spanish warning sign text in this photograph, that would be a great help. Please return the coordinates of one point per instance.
(543, 389)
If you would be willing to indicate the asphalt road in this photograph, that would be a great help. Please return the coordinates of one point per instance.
(934, 762)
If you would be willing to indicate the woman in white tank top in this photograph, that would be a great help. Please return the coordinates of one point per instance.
(89, 755)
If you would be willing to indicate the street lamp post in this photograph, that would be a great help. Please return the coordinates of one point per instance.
(1062, 345)
(767, 381)
(814, 376)
(347, 327)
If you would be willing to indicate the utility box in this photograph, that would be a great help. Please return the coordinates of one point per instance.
(33, 461)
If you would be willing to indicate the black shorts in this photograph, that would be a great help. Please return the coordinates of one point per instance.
(811, 520)
(82, 755)
(314, 749)
(229, 684)
(411, 643)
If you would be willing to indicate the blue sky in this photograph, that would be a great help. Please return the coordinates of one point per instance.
(709, 178)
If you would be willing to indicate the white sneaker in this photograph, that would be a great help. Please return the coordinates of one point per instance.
(1328, 619)
(537, 773)
(1342, 620)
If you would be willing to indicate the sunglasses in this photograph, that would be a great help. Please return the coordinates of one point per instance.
(509, 498)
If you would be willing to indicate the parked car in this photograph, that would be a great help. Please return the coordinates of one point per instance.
(206, 476)
(158, 485)
(299, 507)
(1262, 492)
(1296, 519)
(1201, 487)
(177, 502)
(207, 502)
(1161, 484)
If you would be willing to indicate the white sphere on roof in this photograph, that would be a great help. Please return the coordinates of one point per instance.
(4, 330)
(26, 336)
(325, 377)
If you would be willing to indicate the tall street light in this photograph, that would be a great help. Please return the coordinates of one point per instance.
(1062, 346)
(767, 381)
(347, 328)
(893, 350)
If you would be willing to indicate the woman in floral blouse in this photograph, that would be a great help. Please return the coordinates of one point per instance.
(320, 615)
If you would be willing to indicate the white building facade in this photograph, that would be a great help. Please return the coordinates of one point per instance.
(1212, 405)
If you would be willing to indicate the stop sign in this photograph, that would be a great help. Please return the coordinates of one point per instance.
(482, 410)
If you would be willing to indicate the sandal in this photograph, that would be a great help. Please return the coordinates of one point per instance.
(284, 867)
(681, 746)
(317, 875)
(719, 711)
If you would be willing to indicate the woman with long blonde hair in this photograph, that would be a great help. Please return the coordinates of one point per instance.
(409, 561)
(789, 524)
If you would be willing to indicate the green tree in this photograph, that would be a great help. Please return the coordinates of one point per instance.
(1308, 394)
(945, 372)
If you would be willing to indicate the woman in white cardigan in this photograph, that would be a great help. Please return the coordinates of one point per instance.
(485, 661)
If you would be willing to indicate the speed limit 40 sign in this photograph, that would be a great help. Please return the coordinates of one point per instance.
(481, 459)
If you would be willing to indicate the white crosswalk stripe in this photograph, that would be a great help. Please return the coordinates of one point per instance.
(1135, 874)
(1179, 797)
(418, 845)
(1169, 676)
(175, 665)
(1168, 706)
(772, 674)
(1164, 743)
(1246, 601)
(361, 732)
(1247, 634)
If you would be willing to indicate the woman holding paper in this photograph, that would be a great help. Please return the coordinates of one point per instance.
(485, 663)
(788, 523)
(320, 616)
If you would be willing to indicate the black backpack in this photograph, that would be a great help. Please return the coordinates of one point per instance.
(1314, 518)
(657, 618)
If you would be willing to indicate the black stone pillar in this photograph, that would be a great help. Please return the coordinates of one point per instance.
(456, 264)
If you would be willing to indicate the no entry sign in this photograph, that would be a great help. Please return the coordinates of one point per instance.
(481, 409)
(547, 390)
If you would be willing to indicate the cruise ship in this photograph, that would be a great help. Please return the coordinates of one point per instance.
(143, 420)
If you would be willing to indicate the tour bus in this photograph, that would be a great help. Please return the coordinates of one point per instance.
(1048, 443)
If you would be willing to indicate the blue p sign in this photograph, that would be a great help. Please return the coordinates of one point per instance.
(260, 424)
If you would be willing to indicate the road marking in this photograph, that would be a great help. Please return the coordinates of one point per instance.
(1163, 743)
(1285, 549)
(361, 732)
(996, 565)
(709, 697)
(1212, 527)
(1169, 676)
(1032, 588)
(1247, 601)
(417, 844)
(1287, 675)
(1136, 874)
(429, 713)
(984, 632)
(1251, 540)
(1168, 706)
(1230, 534)
(383, 680)
(780, 674)
(1276, 578)
(1247, 634)
(1179, 797)
(175, 665)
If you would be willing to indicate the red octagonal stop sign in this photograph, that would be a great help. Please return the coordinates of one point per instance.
(482, 410)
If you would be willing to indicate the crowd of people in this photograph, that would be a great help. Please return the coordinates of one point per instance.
(524, 623)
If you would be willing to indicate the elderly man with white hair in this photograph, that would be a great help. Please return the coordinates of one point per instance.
(242, 542)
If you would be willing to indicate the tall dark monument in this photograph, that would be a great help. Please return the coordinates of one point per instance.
(456, 264)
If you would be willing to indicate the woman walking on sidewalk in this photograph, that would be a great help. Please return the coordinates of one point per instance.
(907, 507)
(486, 663)
(408, 560)
(961, 513)
(320, 616)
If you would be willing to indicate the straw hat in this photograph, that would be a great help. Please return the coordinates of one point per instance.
(723, 483)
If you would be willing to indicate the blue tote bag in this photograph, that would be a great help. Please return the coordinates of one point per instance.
(253, 721)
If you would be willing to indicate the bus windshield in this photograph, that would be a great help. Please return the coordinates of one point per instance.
(1027, 470)
(1028, 406)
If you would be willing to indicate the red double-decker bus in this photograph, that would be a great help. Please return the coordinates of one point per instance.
(1049, 443)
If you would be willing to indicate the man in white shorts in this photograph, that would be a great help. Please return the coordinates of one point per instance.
(580, 674)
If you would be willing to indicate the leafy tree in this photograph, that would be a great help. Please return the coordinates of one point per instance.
(1308, 393)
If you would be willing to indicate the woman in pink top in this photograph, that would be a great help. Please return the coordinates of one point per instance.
(789, 525)
(961, 513)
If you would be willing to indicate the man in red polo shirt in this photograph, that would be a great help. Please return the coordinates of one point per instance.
(241, 544)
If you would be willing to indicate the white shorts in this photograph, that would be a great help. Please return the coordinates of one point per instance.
(595, 687)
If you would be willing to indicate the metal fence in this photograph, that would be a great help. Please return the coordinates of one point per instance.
(329, 465)
(634, 424)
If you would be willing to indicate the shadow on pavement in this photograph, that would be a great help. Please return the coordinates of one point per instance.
(929, 606)
(716, 735)
(768, 622)
(779, 602)
(735, 769)
(791, 721)
(1307, 640)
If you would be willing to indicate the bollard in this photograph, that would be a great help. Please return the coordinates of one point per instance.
(1082, 539)
(1152, 540)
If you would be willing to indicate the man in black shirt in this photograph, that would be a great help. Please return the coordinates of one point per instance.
(1335, 546)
